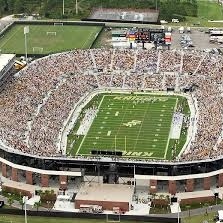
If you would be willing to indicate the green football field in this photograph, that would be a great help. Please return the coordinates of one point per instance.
(48, 38)
(138, 126)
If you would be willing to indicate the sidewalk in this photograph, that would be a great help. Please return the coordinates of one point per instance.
(18, 206)
(194, 212)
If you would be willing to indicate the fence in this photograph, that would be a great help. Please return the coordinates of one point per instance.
(158, 219)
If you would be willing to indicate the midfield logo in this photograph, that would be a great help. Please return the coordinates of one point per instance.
(132, 123)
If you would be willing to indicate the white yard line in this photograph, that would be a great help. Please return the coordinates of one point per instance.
(140, 128)
(168, 140)
(89, 128)
(88, 39)
(120, 123)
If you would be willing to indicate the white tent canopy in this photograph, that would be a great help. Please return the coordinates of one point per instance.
(220, 215)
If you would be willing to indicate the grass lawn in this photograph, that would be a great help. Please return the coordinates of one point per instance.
(200, 218)
(210, 10)
(139, 126)
(20, 219)
(103, 40)
(207, 10)
(66, 38)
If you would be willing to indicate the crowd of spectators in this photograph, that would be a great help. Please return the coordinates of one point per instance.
(170, 61)
(35, 104)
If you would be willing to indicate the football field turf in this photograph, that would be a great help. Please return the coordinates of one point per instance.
(139, 126)
(48, 37)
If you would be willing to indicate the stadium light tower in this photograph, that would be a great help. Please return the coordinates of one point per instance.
(63, 7)
(26, 31)
(25, 199)
(178, 211)
(76, 8)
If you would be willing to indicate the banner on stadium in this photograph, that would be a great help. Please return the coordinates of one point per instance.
(132, 39)
(168, 38)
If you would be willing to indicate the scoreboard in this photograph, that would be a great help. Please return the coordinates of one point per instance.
(157, 35)
(143, 35)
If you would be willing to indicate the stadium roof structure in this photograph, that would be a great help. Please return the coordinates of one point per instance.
(124, 15)
(5, 59)
(105, 192)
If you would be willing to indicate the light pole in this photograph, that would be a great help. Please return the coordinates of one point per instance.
(26, 31)
(134, 173)
(178, 212)
(76, 8)
(25, 199)
(63, 7)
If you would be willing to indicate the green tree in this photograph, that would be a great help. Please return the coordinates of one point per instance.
(168, 198)
(188, 207)
(19, 6)
(10, 200)
(2, 7)
(9, 6)
(206, 205)
(21, 202)
(154, 196)
(161, 197)
(46, 192)
(43, 8)
(168, 202)
(37, 205)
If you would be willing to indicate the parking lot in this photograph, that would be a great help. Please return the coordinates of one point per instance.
(197, 37)
(200, 39)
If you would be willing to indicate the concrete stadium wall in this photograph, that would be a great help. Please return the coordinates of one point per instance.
(67, 23)
(125, 22)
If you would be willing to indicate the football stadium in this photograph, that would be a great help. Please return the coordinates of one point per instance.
(117, 106)
(115, 133)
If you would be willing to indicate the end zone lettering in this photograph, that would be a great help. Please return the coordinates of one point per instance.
(137, 98)
(140, 154)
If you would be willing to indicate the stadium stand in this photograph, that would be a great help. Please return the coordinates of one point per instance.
(37, 101)
(6, 64)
